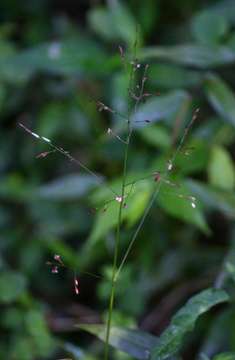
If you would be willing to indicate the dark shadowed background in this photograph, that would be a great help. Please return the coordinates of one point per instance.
(58, 59)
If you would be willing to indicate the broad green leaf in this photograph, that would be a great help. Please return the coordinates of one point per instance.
(3, 94)
(8, 51)
(114, 22)
(203, 357)
(230, 268)
(123, 22)
(12, 318)
(76, 351)
(221, 97)
(216, 339)
(160, 108)
(148, 13)
(156, 135)
(76, 56)
(50, 119)
(15, 187)
(172, 76)
(229, 263)
(221, 171)
(213, 198)
(136, 199)
(191, 55)
(225, 9)
(23, 348)
(193, 156)
(12, 286)
(209, 28)
(68, 187)
(225, 356)
(138, 202)
(119, 94)
(178, 203)
(133, 342)
(106, 219)
(51, 122)
(131, 300)
(214, 131)
(38, 330)
(101, 22)
(184, 321)
(59, 216)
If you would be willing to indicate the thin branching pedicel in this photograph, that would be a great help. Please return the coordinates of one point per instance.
(66, 154)
(57, 263)
(169, 167)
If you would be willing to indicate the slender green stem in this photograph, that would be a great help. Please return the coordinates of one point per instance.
(124, 176)
(115, 258)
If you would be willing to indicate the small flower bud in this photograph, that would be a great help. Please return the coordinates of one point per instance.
(169, 165)
(76, 284)
(42, 155)
(54, 270)
(157, 177)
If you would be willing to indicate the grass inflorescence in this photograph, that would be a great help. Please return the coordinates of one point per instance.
(137, 74)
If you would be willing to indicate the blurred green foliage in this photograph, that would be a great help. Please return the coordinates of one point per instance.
(56, 60)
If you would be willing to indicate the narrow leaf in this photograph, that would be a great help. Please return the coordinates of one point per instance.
(179, 205)
(221, 171)
(221, 97)
(100, 21)
(123, 22)
(199, 56)
(134, 342)
(68, 187)
(203, 357)
(184, 321)
(225, 356)
(72, 56)
(12, 286)
(208, 28)
(173, 76)
(213, 198)
(160, 108)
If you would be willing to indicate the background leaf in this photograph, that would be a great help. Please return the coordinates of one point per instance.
(72, 186)
(198, 56)
(160, 108)
(134, 342)
(12, 286)
(221, 170)
(184, 320)
(209, 28)
(224, 356)
(221, 97)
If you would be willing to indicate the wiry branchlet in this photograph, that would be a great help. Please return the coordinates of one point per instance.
(44, 154)
(102, 107)
(111, 132)
(121, 51)
(147, 121)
